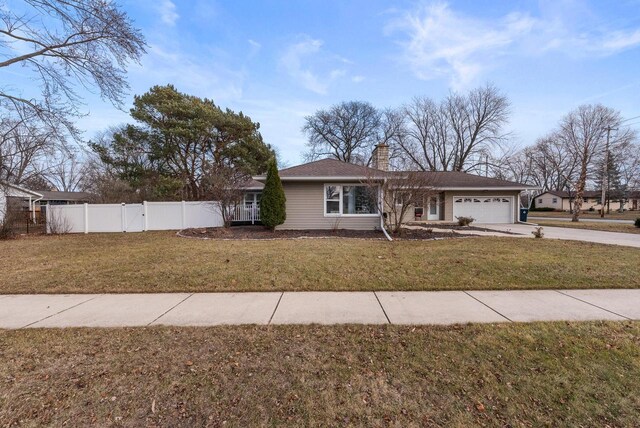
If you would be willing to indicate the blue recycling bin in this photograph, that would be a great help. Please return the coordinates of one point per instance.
(524, 212)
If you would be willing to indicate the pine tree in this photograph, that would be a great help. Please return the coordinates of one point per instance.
(614, 189)
(273, 202)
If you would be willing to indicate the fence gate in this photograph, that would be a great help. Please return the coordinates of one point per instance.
(133, 218)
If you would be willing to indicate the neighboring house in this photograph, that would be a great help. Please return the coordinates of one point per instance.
(53, 197)
(331, 194)
(563, 201)
(634, 200)
(9, 192)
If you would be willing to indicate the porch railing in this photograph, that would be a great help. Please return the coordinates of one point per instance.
(247, 214)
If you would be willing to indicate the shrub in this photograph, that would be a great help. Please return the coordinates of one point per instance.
(537, 233)
(465, 221)
(6, 230)
(57, 224)
(637, 223)
(273, 202)
(8, 224)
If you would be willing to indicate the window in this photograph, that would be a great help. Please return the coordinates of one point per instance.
(555, 200)
(349, 200)
(540, 200)
(332, 199)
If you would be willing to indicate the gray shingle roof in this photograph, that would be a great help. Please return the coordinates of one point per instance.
(328, 168)
(48, 195)
(453, 179)
(334, 168)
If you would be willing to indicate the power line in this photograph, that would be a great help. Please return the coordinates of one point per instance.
(632, 123)
(631, 118)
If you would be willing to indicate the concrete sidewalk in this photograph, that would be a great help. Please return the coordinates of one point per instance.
(413, 307)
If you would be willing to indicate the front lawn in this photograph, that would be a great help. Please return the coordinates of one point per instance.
(552, 374)
(162, 262)
(586, 215)
(606, 227)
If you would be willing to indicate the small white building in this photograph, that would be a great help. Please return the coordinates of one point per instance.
(13, 191)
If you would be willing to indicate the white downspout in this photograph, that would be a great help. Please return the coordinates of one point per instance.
(33, 210)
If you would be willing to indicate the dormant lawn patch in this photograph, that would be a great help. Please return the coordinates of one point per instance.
(585, 224)
(553, 374)
(162, 262)
(586, 215)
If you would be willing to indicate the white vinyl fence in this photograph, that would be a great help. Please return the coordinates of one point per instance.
(88, 218)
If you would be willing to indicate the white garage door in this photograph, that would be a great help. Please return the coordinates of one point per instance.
(484, 209)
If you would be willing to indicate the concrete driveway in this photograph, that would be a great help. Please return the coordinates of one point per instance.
(590, 220)
(596, 236)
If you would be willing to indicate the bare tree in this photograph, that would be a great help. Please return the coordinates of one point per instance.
(425, 137)
(65, 45)
(347, 131)
(630, 166)
(396, 194)
(585, 134)
(25, 146)
(454, 134)
(226, 185)
(65, 171)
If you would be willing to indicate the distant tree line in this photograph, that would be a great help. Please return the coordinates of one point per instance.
(453, 134)
(592, 146)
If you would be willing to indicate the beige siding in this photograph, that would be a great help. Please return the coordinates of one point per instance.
(305, 210)
(448, 200)
(547, 202)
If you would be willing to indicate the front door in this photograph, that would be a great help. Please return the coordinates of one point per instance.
(433, 212)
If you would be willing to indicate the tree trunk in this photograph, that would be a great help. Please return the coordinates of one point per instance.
(580, 185)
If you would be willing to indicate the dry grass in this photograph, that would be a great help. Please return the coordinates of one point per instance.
(162, 262)
(585, 215)
(555, 374)
(606, 227)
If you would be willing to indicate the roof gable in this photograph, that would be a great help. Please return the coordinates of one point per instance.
(328, 168)
(13, 190)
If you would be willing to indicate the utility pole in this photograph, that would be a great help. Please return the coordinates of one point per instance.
(605, 173)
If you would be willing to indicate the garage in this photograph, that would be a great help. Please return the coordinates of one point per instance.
(484, 209)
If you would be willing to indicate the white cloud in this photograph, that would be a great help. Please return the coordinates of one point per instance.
(306, 62)
(620, 40)
(440, 42)
(168, 13)
(203, 75)
(254, 48)
(357, 79)
(437, 41)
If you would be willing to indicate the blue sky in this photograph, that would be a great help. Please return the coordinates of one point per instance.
(278, 61)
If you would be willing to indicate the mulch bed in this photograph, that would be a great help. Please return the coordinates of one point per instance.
(458, 227)
(259, 232)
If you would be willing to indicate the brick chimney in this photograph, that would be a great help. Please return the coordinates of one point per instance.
(380, 157)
